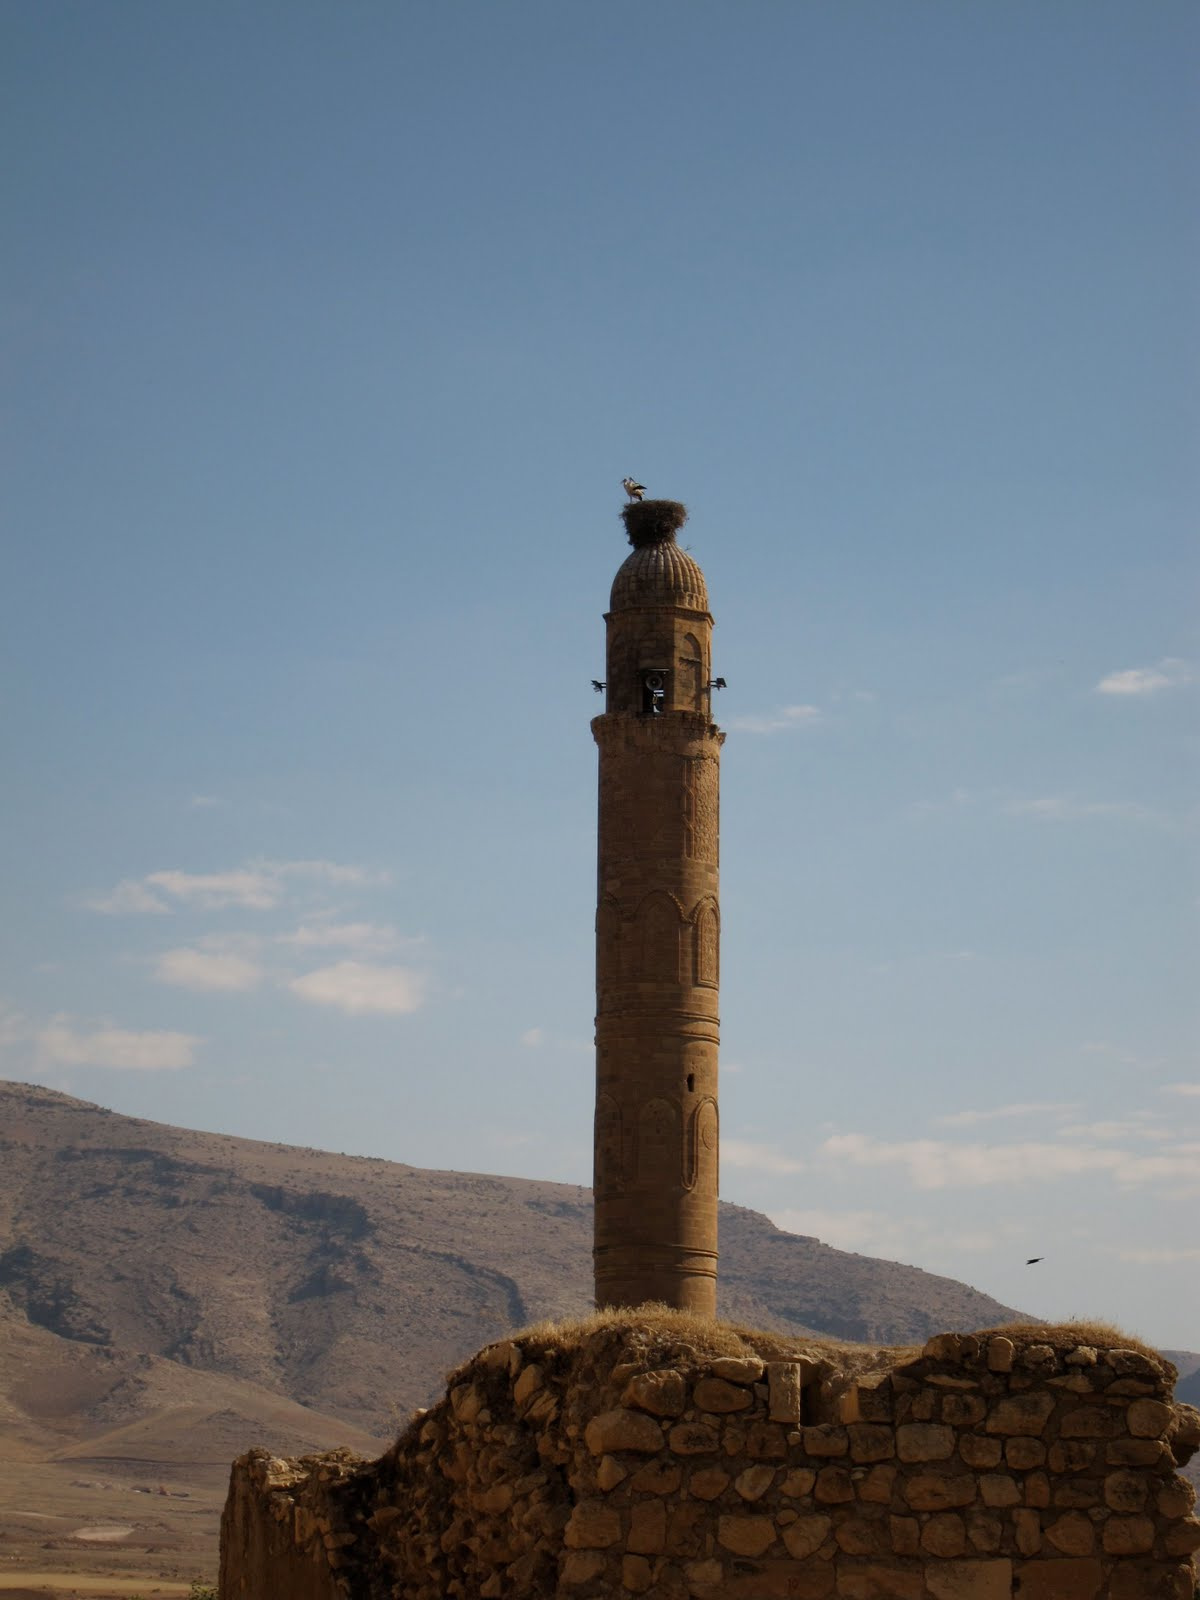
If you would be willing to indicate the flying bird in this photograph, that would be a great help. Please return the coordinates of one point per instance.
(634, 490)
(1033, 1261)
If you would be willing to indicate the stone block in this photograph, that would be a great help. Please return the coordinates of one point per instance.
(1175, 1499)
(720, 1396)
(1092, 1422)
(1136, 1453)
(648, 1528)
(1148, 1419)
(1071, 1455)
(662, 1393)
(1072, 1533)
(826, 1439)
(1068, 1579)
(708, 1483)
(582, 1566)
(1125, 1491)
(1128, 1536)
(970, 1580)
(637, 1575)
(1182, 1538)
(799, 1482)
(754, 1482)
(876, 1486)
(905, 1534)
(998, 1489)
(945, 1534)
(746, 1535)
(806, 1535)
(879, 1581)
(1078, 1494)
(610, 1473)
(979, 1452)
(1027, 1530)
(952, 1348)
(949, 1491)
(1037, 1489)
(871, 1441)
(770, 1580)
(623, 1430)
(693, 1438)
(984, 1531)
(1000, 1353)
(963, 1410)
(833, 1486)
(593, 1526)
(859, 1536)
(1151, 1580)
(785, 1381)
(922, 1441)
(738, 1369)
(1022, 1453)
(657, 1477)
(688, 1527)
(527, 1384)
(1021, 1414)
(870, 1399)
(766, 1441)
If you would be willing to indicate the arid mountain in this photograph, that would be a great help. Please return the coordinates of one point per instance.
(350, 1285)
(168, 1298)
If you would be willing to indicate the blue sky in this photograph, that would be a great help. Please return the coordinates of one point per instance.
(330, 331)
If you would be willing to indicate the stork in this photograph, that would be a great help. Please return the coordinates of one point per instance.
(632, 488)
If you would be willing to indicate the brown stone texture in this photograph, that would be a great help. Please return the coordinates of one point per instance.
(541, 1477)
(657, 934)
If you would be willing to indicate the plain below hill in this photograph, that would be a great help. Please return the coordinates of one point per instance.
(347, 1286)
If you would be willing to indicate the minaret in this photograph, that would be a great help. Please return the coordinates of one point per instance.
(657, 930)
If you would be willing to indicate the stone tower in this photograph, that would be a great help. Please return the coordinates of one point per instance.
(657, 930)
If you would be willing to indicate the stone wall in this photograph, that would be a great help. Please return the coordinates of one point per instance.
(676, 1458)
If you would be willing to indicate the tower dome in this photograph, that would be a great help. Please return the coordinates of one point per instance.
(657, 572)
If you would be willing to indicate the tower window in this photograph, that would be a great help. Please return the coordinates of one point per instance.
(654, 691)
(691, 1083)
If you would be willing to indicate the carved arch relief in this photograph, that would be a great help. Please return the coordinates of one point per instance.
(701, 1153)
(706, 947)
(609, 1155)
(692, 678)
(658, 1142)
(659, 946)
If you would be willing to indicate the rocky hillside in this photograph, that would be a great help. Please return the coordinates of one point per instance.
(350, 1285)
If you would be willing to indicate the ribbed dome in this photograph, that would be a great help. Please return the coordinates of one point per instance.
(659, 574)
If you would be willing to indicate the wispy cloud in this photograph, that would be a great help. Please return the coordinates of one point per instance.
(204, 802)
(777, 721)
(359, 989)
(127, 1050)
(257, 886)
(1066, 808)
(937, 1164)
(759, 1157)
(960, 1119)
(1169, 673)
(365, 937)
(1160, 1255)
(533, 1037)
(1180, 1088)
(885, 1233)
(207, 970)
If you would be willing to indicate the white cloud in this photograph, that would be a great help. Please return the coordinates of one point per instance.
(1181, 1088)
(1064, 808)
(881, 1233)
(1160, 1255)
(533, 1037)
(936, 1164)
(205, 801)
(776, 721)
(759, 1157)
(1022, 1109)
(59, 1044)
(257, 886)
(358, 989)
(1170, 673)
(130, 898)
(361, 936)
(207, 970)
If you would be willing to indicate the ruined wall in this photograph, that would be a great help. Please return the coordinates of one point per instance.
(677, 1458)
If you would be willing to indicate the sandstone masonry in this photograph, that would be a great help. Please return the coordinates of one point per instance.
(669, 1457)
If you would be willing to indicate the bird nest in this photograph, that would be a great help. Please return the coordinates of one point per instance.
(653, 521)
